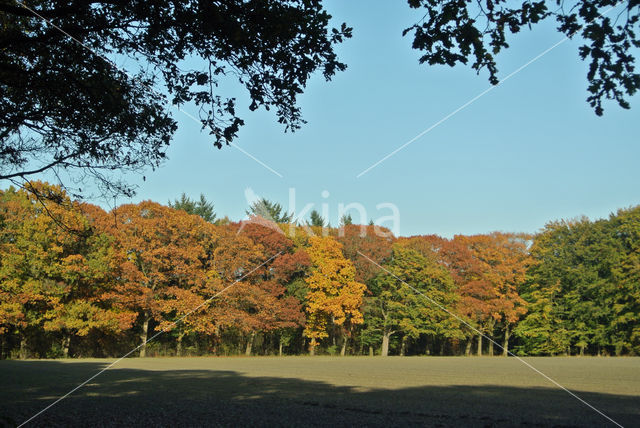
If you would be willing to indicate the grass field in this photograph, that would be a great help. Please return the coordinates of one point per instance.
(267, 391)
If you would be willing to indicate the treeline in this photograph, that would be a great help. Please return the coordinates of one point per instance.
(78, 281)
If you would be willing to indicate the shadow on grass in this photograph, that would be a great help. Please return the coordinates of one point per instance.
(128, 397)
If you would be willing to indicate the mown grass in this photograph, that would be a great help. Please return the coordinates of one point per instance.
(267, 391)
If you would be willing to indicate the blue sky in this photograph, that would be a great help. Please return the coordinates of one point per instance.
(528, 152)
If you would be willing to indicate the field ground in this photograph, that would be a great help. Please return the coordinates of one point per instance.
(267, 391)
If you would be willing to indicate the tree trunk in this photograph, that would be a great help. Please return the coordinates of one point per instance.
(618, 349)
(403, 346)
(582, 350)
(505, 344)
(66, 341)
(23, 348)
(480, 345)
(467, 349)
(280, 347)
(370, 351)
(442, 346)
(490, 339)
(345, 340)
(143, 335)
(332, 330)
(179, 344)
(312, 347)
(385, 344)
(247, 352)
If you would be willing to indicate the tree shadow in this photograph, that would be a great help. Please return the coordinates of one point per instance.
(124, 397)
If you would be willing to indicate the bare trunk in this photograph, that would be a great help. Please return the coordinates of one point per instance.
(385, 343)
(505, 344)
(467, 349)
(23, 348)
(343, 351)
(247, 352)
(280, 347)
(143, 336)
(179, 344)
(479, 345)
(442, 346)
(403, 346)
(333, 331)
(490, 339)
(582, 350)
(312, 347)
(370, 351)
(66, 341)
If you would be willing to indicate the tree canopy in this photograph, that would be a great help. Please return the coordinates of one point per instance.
(68, 107)
(315, 219)
(201, 207)
(65, 106)
(268, 210)
(458, 32)
(78, 281)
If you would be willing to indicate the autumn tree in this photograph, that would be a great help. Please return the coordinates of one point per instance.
(54, 267)
(162, 259)
(494, 274)
(335, 297)
(356, 239)
(258, 302)
(471, 286)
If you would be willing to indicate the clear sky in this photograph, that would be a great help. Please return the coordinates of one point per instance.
(527, 152)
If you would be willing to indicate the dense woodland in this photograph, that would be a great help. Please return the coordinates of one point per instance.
(77, 281)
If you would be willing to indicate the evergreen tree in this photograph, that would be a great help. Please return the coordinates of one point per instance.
(202, 207)
(270, 211)
(315, 219)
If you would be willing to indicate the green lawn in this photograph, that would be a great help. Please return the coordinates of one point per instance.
(444, 391)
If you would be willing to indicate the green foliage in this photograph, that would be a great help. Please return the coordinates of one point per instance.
(75, 280)
(315, 219)
(64, 108)
(454, 32)
(272, 211)
(202, 207)
(346, 220)
(404, 295)
(584, 287)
